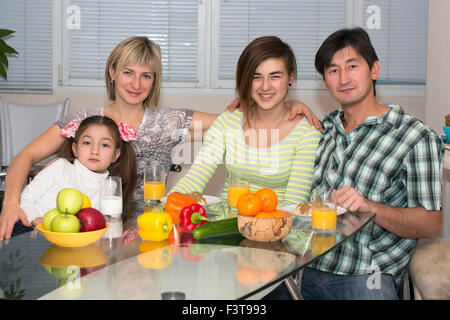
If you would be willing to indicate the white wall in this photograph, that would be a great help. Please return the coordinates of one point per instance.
(438, 64)
(437, 103)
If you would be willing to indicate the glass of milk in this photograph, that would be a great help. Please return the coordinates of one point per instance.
(111, 196)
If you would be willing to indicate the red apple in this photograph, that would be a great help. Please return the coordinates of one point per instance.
(91, 219)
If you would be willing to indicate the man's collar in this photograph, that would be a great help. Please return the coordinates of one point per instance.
(393, 116)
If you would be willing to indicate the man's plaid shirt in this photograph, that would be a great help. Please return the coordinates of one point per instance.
(393, 159)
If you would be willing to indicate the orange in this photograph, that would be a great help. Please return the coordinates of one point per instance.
(269, 199)
(247, 276)
(86, 202)
(249, 204)
(267, 274)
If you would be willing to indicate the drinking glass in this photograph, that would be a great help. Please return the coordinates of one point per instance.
(115, 228)
(321, 242)
(237, 186)
(154, 183)
(111, 196)
(324, 210)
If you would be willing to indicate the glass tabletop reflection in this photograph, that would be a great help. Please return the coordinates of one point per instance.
(123, 266)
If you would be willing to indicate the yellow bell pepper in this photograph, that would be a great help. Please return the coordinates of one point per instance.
(155, 255)
(154, 226)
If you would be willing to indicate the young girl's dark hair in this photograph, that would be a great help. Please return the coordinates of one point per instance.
(124, 166)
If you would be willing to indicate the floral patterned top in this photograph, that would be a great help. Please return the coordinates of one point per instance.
(161, 132)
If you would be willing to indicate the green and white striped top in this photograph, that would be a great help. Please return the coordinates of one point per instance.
(287, 167)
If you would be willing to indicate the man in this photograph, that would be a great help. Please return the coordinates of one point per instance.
(379, 159)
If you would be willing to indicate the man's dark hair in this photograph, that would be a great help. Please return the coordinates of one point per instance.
(356, 38)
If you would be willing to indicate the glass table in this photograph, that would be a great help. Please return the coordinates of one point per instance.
(123, 266)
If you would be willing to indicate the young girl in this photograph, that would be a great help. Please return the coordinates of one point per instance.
(95, 148)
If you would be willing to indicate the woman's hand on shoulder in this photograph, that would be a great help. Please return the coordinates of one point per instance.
(233, 106)
(203, 121)
(299, 108)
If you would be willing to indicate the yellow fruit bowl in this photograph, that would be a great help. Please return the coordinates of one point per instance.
(72, 240)
(84, 257)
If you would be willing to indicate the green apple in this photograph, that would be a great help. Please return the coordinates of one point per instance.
(66, 223)
(48, 217)
(69, 200)
(61, 273)
(48, 268)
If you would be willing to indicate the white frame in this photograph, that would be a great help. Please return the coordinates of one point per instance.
(88, 83)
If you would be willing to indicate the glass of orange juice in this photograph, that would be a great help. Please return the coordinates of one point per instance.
(237, 186)
(324, 210)
(321, 242)
(154, 183)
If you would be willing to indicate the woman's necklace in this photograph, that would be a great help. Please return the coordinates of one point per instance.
(265, 137)
(134, 123)
(278, 123)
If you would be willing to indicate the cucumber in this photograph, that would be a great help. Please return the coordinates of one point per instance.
(225, 239)
(214, 228)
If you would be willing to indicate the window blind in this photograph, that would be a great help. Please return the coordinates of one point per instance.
(399, 37)
(31, 70)
(302, 24)
(173, 25)
(400, 41)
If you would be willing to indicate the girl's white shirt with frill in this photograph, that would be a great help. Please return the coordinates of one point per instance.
(39, 196)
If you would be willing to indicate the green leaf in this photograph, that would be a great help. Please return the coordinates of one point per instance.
(3, 72)
(11, 50)
(5, 32)
(5, 48)
(18, 281)
(3, 59)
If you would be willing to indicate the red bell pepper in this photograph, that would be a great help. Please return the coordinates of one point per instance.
(186, 243)
(175, 203)
(192, 216)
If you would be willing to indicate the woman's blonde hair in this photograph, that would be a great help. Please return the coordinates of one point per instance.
(136, 50)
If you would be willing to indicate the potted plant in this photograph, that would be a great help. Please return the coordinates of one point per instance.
(4, 50)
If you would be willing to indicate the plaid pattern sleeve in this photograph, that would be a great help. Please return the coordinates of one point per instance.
(393, 159)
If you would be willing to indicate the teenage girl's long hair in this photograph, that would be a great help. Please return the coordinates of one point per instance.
(124, 167)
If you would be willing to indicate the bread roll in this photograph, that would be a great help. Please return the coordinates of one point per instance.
(305, 208)
(197, 197)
